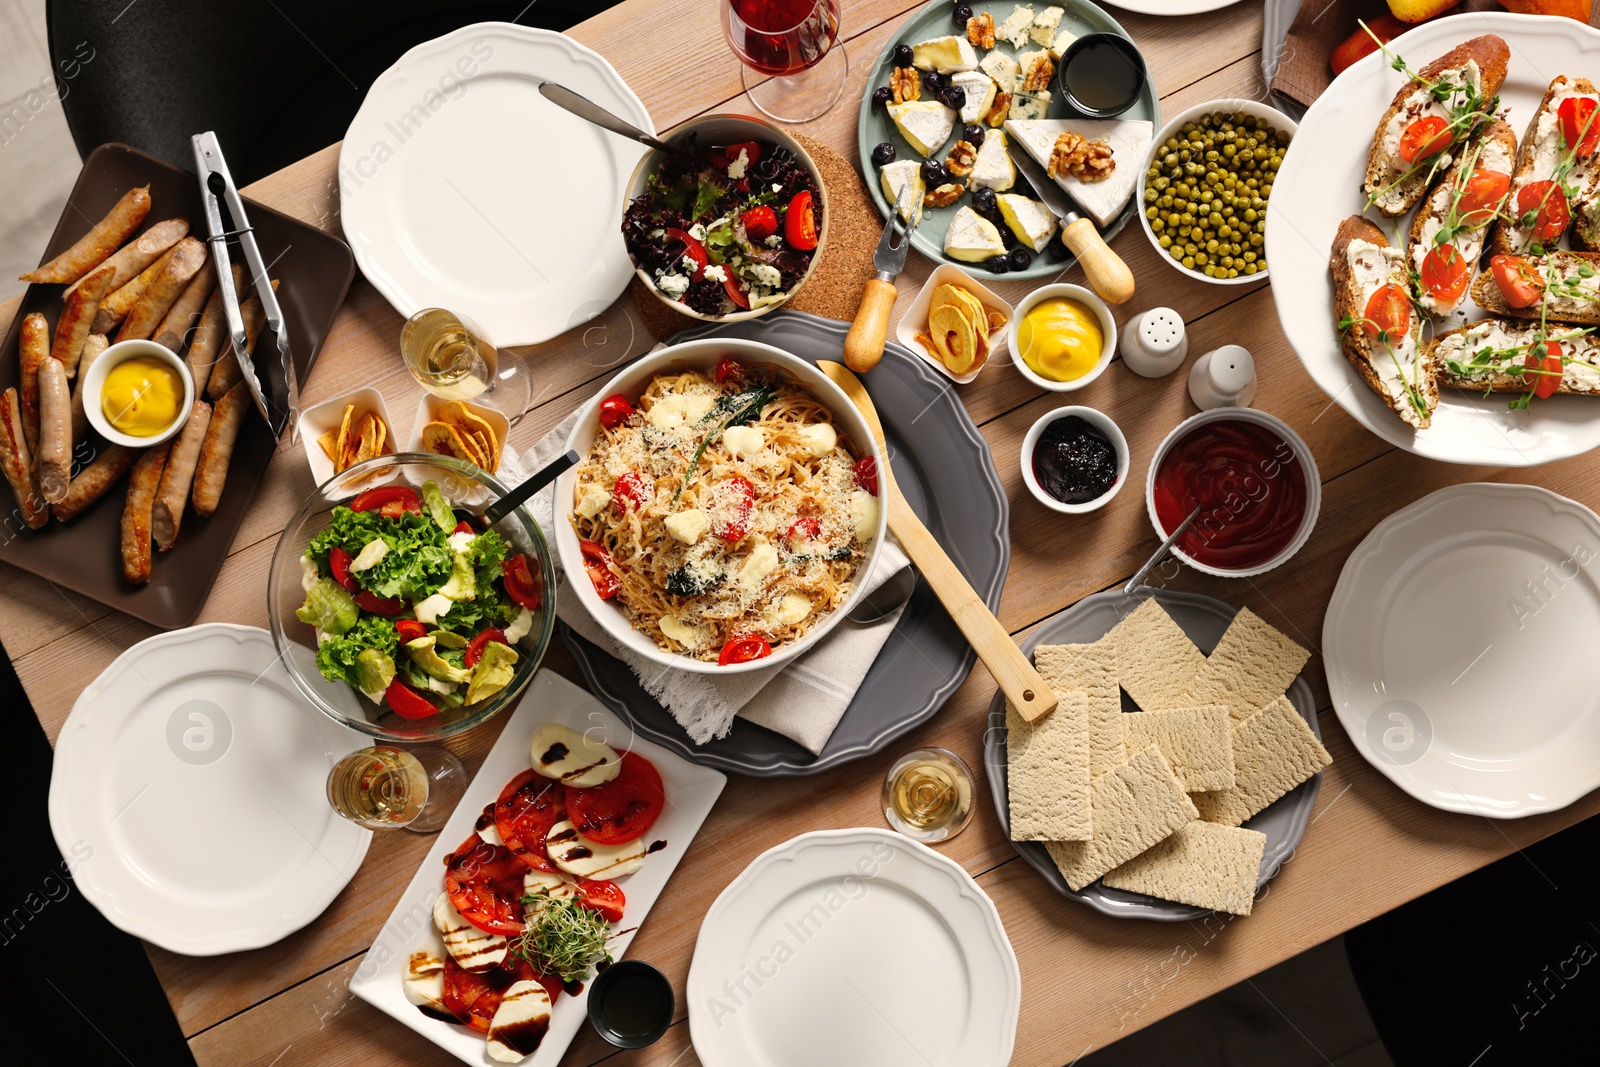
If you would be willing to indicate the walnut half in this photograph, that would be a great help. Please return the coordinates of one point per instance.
(945, 195)
(1083, 159)
(999, 110)
(961, 158)
(980, 30)
(905, 83)
(1040, 72)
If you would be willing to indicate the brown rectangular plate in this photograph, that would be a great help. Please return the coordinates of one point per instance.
(315, 271)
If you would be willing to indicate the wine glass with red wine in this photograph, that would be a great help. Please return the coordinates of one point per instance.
(794, 62)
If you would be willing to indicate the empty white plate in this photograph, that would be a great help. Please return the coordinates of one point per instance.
(853, 948)
(1460, 649)
(461, 187)
(188, 794)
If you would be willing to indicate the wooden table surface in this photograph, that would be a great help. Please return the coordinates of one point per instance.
(1087, 979)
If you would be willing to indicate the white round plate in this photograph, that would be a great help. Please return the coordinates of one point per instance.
(853, 948)
(1172, 7)
(462, 187)
(188, 794)
(1319, 185)
(1459, 647)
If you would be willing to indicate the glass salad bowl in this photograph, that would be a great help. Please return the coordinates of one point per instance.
(367, 619)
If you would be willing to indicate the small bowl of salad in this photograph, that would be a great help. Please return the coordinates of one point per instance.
(728, 224)
(397, 612)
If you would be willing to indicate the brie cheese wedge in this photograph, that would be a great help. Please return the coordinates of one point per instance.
(894, 177)
(947, 55)
(972, 238)
(979, 88)
(993, 169)
(1129, 140)
(925, 124)
(1032, 222)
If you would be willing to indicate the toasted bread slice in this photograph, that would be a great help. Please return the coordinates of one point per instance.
(1486, 356)
(1586, 225)
(1438, 223)
(1540, 152)
(1394, 186)
(1398, 371)
(1574, 299)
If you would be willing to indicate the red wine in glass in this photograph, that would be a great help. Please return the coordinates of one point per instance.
(781, 37)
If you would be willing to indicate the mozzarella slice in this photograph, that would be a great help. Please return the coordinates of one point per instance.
(430, 608)
(573, 758)
(422, 978)
(519, 1023)
(472, 948)
(582, 858)
(520, 627)
(535, 883)
(743, 441)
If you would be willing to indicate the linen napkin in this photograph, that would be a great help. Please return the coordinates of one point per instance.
(803, 700)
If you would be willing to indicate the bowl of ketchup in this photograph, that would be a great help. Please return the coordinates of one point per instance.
(1254, 480)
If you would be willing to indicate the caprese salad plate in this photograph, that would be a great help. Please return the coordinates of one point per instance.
(541, 878)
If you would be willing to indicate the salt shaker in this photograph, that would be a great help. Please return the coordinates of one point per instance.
(1154, 343)
(1223, 378)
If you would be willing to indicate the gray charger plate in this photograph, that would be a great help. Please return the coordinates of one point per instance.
(1203, 618)
(943, 467)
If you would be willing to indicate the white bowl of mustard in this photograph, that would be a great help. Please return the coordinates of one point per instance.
(137, 394)
(1053, 334)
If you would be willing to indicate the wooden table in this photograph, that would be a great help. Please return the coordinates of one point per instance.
(1087, 979)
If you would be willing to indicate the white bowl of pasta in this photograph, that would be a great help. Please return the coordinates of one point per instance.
(724, 515)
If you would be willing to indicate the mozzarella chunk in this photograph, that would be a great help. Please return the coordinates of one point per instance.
(582, 858)
(540, 884)
(429, 609)
(460, 541)
(687, 525)
(762, 561)
(592, 500)
(743, 441)
(490, 834)
(308, 572)
(472, 948)
(443, 688)
(519, 1023)
(819, 439)
(422, 978)
(573, 758)
(519, 626)
(792, 609)
(864, 514)
(675, 409)
(686, 634)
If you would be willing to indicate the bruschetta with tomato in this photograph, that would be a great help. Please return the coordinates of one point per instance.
(1431, 115)
(1379, 326)
(1448, 232)
(1561, 287)
(1556, 169)
(1501, 355)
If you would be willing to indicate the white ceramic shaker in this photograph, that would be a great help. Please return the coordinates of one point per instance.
(1154, 342)
(1223, 378)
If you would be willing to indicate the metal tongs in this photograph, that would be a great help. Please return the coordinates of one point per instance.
(217, 190)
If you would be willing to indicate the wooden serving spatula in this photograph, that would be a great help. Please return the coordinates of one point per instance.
(1021, 684)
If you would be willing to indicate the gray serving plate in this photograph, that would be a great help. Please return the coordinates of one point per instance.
(942, 466)
(1203, 618)
(875, 125)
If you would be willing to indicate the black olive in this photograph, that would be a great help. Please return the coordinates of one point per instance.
(953, 97)
(932, 80)
(972, 133)
(902, 55)
(983, 201)
(999, 264)
(933, 173)
(961, 14)
(883, 154)
(1020, 259)
(882, 95)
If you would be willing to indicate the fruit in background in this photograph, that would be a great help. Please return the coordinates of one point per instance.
(1360, 43)
(1419, 10)
(1572, 9)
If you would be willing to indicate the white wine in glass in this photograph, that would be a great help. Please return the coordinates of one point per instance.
(384, 788)
(927, 795)
(450, 357)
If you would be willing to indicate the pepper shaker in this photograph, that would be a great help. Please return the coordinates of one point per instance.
(1223, 378)
(1154, 343)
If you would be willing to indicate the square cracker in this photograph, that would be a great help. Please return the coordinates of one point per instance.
(1203, 865)
(1134, 806)
(1156, 661)
(1250, 667)
(1273, 751)
(1198, 742)
(1047, 772)
(1091, 669)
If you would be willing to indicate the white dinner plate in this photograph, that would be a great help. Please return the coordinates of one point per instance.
(1319, 184)
(189, 794)
(853, 948)
(461, 187)
(1171, 7)
(1460, 649)
(691, 791)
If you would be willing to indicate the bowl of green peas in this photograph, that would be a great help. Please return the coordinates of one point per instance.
(1203, 193)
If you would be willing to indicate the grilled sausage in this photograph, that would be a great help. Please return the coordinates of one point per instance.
(178, 477)
(147, 470)
(77, 315)
(54, 457)
(33, 349)
(227, 371)
(217, 450)
(93, 481)
(96, 344)
(133, 257)
(185, 311)
(18, 462)
(114, 308)
(103, 238)
(185, 260)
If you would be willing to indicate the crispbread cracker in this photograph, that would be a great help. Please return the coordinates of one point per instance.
(1203, 865)
(1250, 667)
(1093, 670)
(1273, 751)
(1047, 772)
(1156, 661)
(1198, 742)
(1134, 806)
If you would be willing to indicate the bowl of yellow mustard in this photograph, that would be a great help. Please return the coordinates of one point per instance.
(137, 394)
(1062, 337)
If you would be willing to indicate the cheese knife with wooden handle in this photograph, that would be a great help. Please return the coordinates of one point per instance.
(1108, 275)
(863, 345)
(1018, 680)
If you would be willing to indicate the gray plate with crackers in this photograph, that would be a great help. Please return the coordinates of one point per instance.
(1255, 651)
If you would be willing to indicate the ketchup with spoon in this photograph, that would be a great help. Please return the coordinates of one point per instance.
(1249, 485)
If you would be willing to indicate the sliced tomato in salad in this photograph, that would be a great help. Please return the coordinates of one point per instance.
(1547, 202)
(1481, 198)
(743, 649)
(471, 998)
(866, 473)
(476, 646)
(339, 567)
(733, 501)
(724, 157)
(614, 411)
(760, 222)
(800, 222)
(629, 492)
(409, 629)
(1388, 311)
(603, 896)
(390, 501)
(1543, 373)
(367, 600)
(463, 527)
(730, 285)
(728, 370)
(484, 882)
(528, 806)
(1580, 125)
(622, 809)
(1445, 273)
(516, 574)
(693, 250)
(408, 702)
(1428, 136)
(1518, 282)
(602, 569)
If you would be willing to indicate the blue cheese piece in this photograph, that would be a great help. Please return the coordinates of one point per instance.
(1014, 30)
(1129, 140)
(1004, 70)
(1059, 46)
(672, 285)
(980, 90)
(896, 176)
(925, 124)
(972, 238)
(993, 169)
(1044, 25)
(947, 55)
(1032, 222)
(1029, 105)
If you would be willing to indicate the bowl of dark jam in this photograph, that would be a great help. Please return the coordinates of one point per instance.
(1254, 480)
(1074, 459)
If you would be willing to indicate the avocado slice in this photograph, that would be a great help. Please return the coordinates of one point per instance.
(493, 672)
(463, 583)
(446, 639)
(374, 671)
(424, 655)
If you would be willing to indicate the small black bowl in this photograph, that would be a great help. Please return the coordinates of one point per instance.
(631, 1004)
(1091, 47)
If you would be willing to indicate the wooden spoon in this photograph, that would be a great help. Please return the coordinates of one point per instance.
(1021, 684)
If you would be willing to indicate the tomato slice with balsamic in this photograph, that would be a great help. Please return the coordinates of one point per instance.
(484, 882)
(1546, 202)
(471, 998)
(528, 806)
(1519, 284)
(621, 809)
(603, 896)
(1445, 273)
(1388, 312)
(602, 569)
(1428, 136)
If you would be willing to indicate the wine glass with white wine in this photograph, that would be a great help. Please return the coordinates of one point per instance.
(451, 358)
(927, 795)
(384, 788)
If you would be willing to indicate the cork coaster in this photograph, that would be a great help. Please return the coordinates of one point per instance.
(833, 288)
